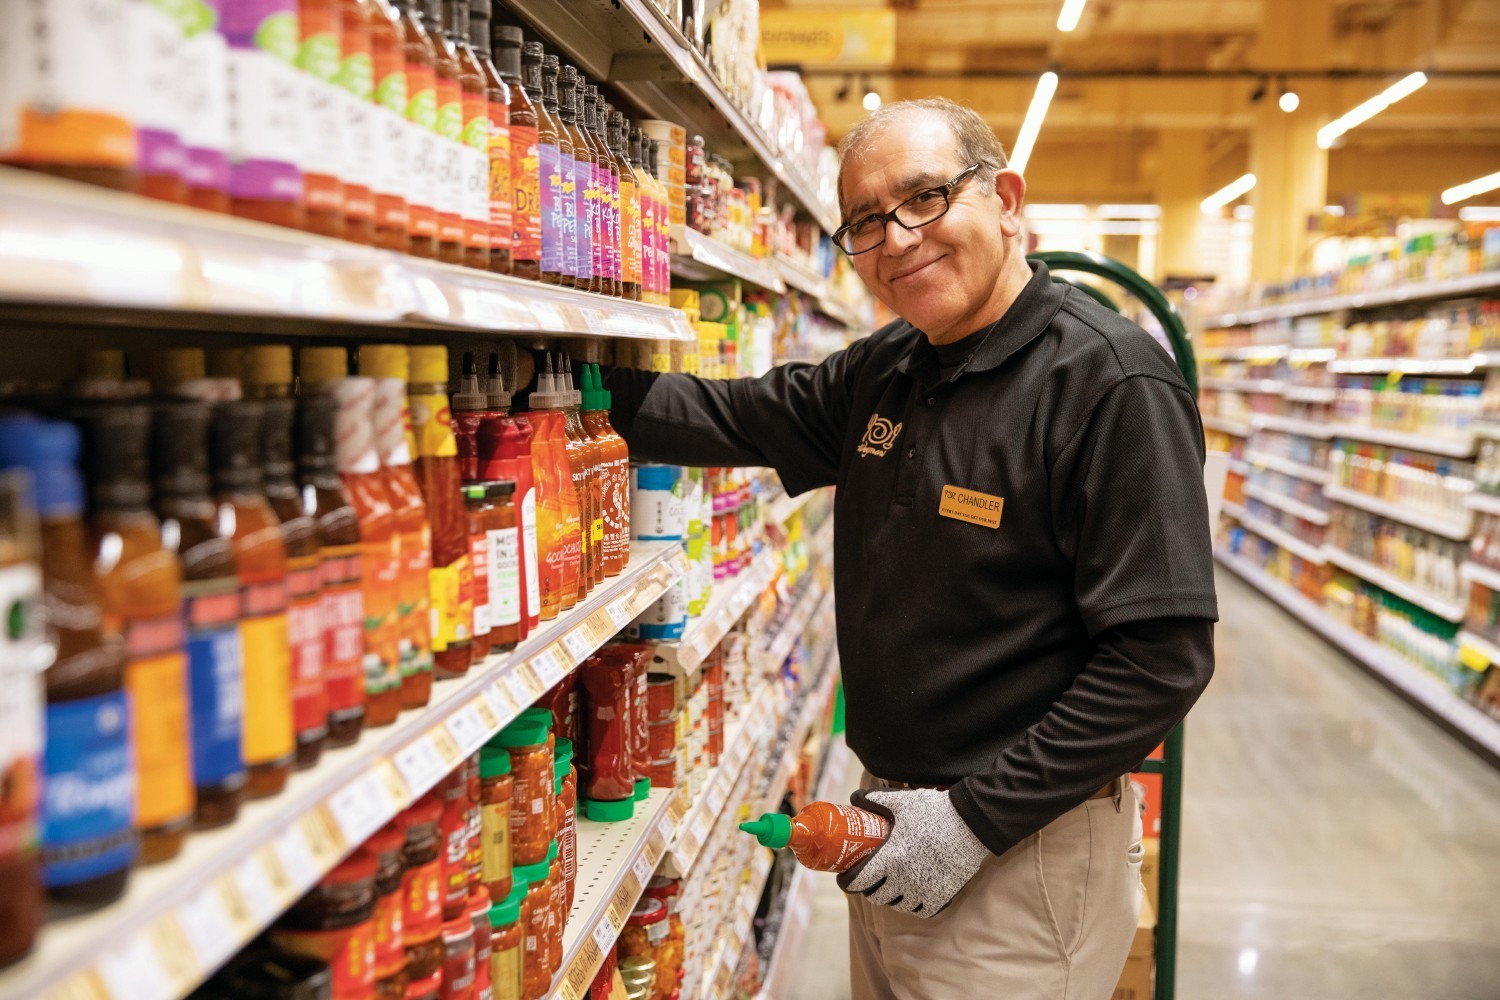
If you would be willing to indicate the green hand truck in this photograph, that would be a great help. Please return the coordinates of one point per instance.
(1170, 765)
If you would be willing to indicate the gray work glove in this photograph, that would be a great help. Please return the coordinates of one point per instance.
(930, 855)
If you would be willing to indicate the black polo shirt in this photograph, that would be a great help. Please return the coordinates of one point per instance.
(999, 533)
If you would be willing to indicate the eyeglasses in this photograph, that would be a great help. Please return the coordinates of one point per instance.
(920, 209)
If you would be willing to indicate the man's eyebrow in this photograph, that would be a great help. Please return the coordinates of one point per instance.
(906, 187)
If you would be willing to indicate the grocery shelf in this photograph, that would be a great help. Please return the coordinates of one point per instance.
(1449, 609)
(1280, 536)
(732, 598)
(812, 709)
(615, 861)
(1475, 651)
(1233, 509)
(1415, 292)
(1310, 394)
(1461, 446)
(1240, 466)
(79, 246)
(780, 510)
(815, 286)
(1290, 425)
(1480, 732)
(1408, 366)
(642, 54)
(1264, 386)
(1296, 508)
(780, 647)
(1233, 427)
(1247, 352)
(180, 920)
(1481, 574)
(719, 973)
(1485, 503)
(1299, 470)
(698, 257)
(1405, 513)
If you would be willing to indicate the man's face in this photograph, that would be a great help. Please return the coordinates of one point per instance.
(944, 278)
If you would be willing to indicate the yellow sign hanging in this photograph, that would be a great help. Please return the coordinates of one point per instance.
(829, 37)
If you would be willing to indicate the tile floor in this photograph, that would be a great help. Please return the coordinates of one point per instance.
(1336, 844)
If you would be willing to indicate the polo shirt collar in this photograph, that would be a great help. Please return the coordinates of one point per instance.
(1023, 322)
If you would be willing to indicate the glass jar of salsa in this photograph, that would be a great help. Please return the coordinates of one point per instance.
(507, 945)
(422, 889)
(335, 922)
(531, 771)
(536, 913)
(496, 787)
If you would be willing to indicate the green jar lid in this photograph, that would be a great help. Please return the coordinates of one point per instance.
(531, 874)
(493, 761)
(553, 851)
(508, 910)
(601, 811)
(565, 750)
(523, 732)
(561, 766)
(538, 713)
(643, 789)
(773, 830)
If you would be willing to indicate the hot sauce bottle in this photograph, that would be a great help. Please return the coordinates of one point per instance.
(553, 150)
(469, 406)
(141, 585)
(608, 181)
(438, 474)
(261, 564)
(630, 208)
(210, 608)
(598, 281)
(341, 576)
(450, 127)
(497, 96)
(356, 83)
(388, 133)
(319, 56)
(618, 170)
(559, 539)
(475, 137)
(591, 496)
(525, 169)
(388, 365)
(421, 132)
(616, 479)
(572, 164)
(266, 102)
(88, 781)
(825, 837)
(505, 454)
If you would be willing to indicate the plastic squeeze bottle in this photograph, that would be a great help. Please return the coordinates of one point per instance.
(824, 837)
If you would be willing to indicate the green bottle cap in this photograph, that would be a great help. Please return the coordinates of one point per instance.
(565, 750)
(538, 714)
(560, 767)
(523, 732)
(773, 830)
(643, 789)
(531, 874)
(609, 812)
(493, 761)
(508, 910)
(552, 851)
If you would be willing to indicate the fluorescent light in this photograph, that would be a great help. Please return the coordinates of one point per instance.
(1289, 101)
(1479, 185)
(1072, 10)
(1045, 88)
(1229, 192)
(1045, 211)
(1479, 213)
(1243, 213)
(872, 101)
(1335, 210)
(1403, 87)
(1129, 228)
(1130, 211)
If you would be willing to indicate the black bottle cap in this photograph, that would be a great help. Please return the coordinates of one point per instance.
(317, 419)
(116, 454)
(234, 444)
(277, 418)
(179, 448)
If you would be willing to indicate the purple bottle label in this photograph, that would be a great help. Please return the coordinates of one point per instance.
(549, 159)
(261, 24)
(616, 259)
(569, 171)
(596, 221)
(207, 169)
(161, 153)
(265, 180)
(583, 242)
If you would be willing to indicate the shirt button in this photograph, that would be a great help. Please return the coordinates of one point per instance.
(931, 400)
(911, 453)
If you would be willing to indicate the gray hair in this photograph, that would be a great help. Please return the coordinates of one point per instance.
(976, 140)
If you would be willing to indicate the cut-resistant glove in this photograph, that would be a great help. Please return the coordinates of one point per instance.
(929, 856)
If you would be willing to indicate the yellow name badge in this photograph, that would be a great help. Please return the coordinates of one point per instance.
(975, 508)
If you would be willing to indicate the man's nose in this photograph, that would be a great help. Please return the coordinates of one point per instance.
(899, 239)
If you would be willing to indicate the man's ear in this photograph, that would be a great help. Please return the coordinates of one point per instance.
(1010, 188)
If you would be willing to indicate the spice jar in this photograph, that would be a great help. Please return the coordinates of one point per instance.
(531, 772)
(269, 975)
(645, 930)
(454, 791)
(495, 790)
(535, 912)
(567, 835)
(671, 954)
(610, 788)
(507, 944)
(390, 954)
(479, 919)
(557, 918)
(638, 973)
(422, 890)
(335, 922)
(458, 958)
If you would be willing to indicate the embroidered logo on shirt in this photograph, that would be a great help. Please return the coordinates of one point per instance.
(880, 435)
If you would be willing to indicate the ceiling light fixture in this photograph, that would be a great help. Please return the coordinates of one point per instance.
(1067, 18)
(872, 100)
(1130, 211)
(1479, 213)
(1020, 155)
(1229, 192)
(842, 94)
(1403, 87)
(1288, 101)
(1478, 185)
(1259, 93)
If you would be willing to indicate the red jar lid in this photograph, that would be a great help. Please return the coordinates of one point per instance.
(648, 911)
(661, 887)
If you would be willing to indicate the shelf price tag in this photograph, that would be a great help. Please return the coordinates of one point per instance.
(500, 702)
(174, 954)
(578, 646)
(296, 858)
(468, 730)
(134, 973)
(619, 612)
(643, 870)
(209, 930)
(521, 689)
(421, 765)
(486, 713)
(619, 908)
(360, 807)
(549, 667)
(604, 936)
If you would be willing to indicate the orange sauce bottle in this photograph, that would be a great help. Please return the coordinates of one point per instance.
(140, 582)
(497, 95)
(824, 837)
(265, 95)
(388, 365)
(319, 57)
(421, 133)
(450, 118)
(261, 563)
(389, 132)
(525, 165)
(616, 478)
(475, 137)
(469, 407)
(505, 455)
(591, 503)
(559, 537)
(356, 81)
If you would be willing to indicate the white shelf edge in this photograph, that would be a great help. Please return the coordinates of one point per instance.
(1232, 509)
(1310, 394)
(1484, 575)
(1461, 447)
(1422, 689)
(1296, 508)
(1413, 516)
(1452, 611)
(1233, 427)
(1306, 551)
(1310, 473)
(719, 256)
(275, 851)
(1264, 386)
(1484, 503)
(1408, 366)
(724, 608)
(1448, 288)
(1290, 425)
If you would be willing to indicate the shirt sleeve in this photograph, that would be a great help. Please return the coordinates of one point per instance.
(1140, 682)
(792, 419)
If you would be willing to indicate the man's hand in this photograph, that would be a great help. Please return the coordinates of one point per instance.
(930, 855)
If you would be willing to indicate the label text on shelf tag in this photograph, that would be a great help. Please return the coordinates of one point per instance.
(619, 908)
(500, 701)
(133, 973)
(619, 612)
(468, 731)
(700, 829)
(487, 714)
(604, 936)
(643, 870)
(255, 885)
(208, 927)
(421, 765)
(578, 646)
(174, 954)
(296, 858)
(359, 808)
(518, 683)
(447, 750)
(549, 667)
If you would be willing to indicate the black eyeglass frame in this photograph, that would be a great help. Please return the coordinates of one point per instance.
(886, 218)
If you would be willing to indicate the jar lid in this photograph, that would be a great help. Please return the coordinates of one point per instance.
(564, 750)
(523, 732)
(428, 364)
(388, 838)
(508, 910)
(649, 910)
(532, 874)
(493, 761)
(428, 809)
(322, 364)
(459, 926)
(271, 975)
(631, 964)
(662, 887)
(603, 811)
(356, 867)
(384, 361)
(538, 713)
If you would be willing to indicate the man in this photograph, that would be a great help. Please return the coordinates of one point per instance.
(1023, 566)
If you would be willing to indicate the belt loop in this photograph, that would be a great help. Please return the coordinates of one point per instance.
(1120, 791)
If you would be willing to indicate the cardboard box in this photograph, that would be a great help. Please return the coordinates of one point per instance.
(1135, 979)
(1151, 870)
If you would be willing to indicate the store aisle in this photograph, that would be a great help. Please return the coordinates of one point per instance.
(1337, 845)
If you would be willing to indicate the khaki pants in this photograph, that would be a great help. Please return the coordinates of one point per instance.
(1050, 919)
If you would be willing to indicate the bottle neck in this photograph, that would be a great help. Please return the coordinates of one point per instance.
(456, 21)
(549, 92)
(479, 35)
(508, 62)
(565, 103)
(531, 75)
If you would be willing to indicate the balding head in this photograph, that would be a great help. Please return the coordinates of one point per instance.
(974, 141)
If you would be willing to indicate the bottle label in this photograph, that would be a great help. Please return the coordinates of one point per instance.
(390, 157)
(203, 77)
(216, 679)
(495, 841)
(390, 953)
(450, 165)
(613, 238)
(550, 187)
(304, 622)
(349, 952)
(343, 628)
(617, 510)
(422, 150)
(156, 678)
(23, 654)
(88, 790)
(380, 563)
(528, 525)
(596, 219)
(422, 893)
(505, 576)
(268, 673)
(500, 183)
(583, 235)
(479, 570)
(432, 422)
(506, 972)
(356, 80)
(153, 45)
(415, 608)
(630, 229)
(666, 618)
(323, 158)
(452, 590)
(525, 176)
(476, 168)
(568, 201)
(267, 101)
